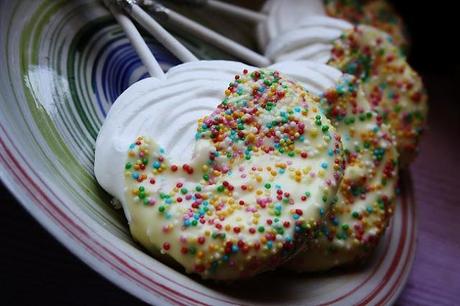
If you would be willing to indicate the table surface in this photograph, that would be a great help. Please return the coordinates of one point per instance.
(35, 268)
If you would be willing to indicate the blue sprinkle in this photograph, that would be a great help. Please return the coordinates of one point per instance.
(324, 165)
(156, 164)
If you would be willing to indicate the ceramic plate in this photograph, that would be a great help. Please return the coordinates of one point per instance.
(62, 65)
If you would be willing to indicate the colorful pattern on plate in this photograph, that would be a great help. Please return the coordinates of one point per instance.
(51, 106)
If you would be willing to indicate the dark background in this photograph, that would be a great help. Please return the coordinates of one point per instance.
(36, 270)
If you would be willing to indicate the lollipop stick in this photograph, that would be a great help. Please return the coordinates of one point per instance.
(236, 11)
(163, 36)
(143, 51)
(225, 8)
(212, 37)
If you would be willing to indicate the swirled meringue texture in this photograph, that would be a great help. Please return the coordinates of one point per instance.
(393, 88)
(218, 228)
(284, 15)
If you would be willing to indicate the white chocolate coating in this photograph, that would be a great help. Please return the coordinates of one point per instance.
(366, 194)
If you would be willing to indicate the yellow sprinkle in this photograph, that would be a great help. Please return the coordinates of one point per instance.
(321, 173)
(314, 132)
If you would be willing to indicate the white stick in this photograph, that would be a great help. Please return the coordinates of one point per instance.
(163, 36)
(143, 51)
(236, 11)
(216, 39)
